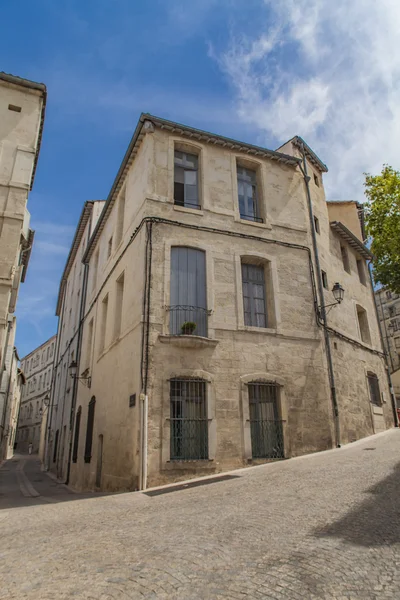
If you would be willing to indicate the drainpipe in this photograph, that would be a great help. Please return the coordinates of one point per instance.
(322, 309)
(392, 395)
(144, 404)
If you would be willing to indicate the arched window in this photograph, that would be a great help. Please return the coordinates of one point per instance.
(76, 438)
(189, 420)
(188, 292)
(89, 430)
(265, 420)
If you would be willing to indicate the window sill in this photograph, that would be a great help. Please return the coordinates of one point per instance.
(204, 464)
(186, 209)
(188, 341)
(377, 410)
(270, 330)
(265, 225)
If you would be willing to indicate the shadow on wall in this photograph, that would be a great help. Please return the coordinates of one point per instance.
(374, 522)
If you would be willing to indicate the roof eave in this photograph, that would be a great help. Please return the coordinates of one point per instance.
(312, 157)
(351, 239)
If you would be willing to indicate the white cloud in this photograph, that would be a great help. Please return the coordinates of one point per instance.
(329, 71)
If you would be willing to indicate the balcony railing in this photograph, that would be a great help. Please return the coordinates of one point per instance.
(181, 314)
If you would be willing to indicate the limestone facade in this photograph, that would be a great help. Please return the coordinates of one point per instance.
(388, 304)
(251, 384)
(70, 304)
(37, 367)
(22, 107)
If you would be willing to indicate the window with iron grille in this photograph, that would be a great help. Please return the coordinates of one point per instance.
(89, 430)
(249, 206)
(375, 394)
(186, 191)
(254, 298)
(265, 422)
(188, 291)
(76, 438)
(189, 422)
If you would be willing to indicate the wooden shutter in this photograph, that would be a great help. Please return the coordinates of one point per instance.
(89, 430)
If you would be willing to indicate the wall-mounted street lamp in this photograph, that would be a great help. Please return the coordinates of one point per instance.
(72, 369)
(338, 294)
(46, 402)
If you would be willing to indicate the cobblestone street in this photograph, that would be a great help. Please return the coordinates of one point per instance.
(325, 526)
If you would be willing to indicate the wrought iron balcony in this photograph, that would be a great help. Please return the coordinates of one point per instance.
(181, 315)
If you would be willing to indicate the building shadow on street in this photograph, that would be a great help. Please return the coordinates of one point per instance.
(374, 522)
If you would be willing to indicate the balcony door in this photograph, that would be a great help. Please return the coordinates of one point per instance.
(188, 290)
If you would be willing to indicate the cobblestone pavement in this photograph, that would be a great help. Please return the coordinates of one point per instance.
(326, 526)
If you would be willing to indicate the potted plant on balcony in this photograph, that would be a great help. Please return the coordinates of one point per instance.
(188, 328)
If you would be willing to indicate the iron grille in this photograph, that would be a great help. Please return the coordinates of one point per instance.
(374, 389)
(180, 314)
(189, 422)
(265, 424)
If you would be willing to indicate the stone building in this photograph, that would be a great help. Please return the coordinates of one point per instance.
(388, 304)
(38, 370)
(11, 386)
(206, 344)
(70, 305)
(22, 108)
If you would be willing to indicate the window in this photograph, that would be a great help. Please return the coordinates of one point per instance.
(363, 324)
(109, 247)
(265, 422)
(89, 343)
(37, 408)
(345, 258)
(392, 311)
(186, 191)
(361, 271)
(189, 422)
(254, 301)
(55, 446)
(394, 324)
(95, 269)
(325, 280)
(120, 218)
(188, 290)
(76, 437)
(316, 180)
(89, 430)
(47, 355)
(103, 324)
(316, 225)
(40, 382)
(119, 295)
(388, 294)
(374, 392)
(248, 195)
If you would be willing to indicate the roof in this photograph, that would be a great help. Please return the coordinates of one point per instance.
(39, 87)
(83, 220)
(360, 211)
(312, 157)
(26, 253)
(53, 337)
(145, 124)
(351, 239)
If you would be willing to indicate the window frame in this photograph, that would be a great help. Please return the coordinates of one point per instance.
(249, 285)
(186, 168)
(361, 271)
(241, 178)
(316, 225)
(374, 394)
(324, 276)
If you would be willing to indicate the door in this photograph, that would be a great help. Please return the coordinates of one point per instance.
(99, 461)
(265, 423)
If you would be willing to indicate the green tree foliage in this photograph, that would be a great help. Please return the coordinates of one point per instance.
(382, 215)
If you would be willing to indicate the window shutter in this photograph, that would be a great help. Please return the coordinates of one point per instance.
(89, 430)
(76, 438)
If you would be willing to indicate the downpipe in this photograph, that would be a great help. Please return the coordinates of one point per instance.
(144, 407)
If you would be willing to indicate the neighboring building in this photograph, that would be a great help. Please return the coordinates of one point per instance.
(388, 304)
(10, 394)
(70, 304)
(396, 386)
(204, 343)
(22, 108)
(38, 370)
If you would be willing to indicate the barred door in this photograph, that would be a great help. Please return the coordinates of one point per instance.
(189, 422)
(265, 424)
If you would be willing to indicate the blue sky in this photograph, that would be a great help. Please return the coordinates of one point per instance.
(257, 70)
